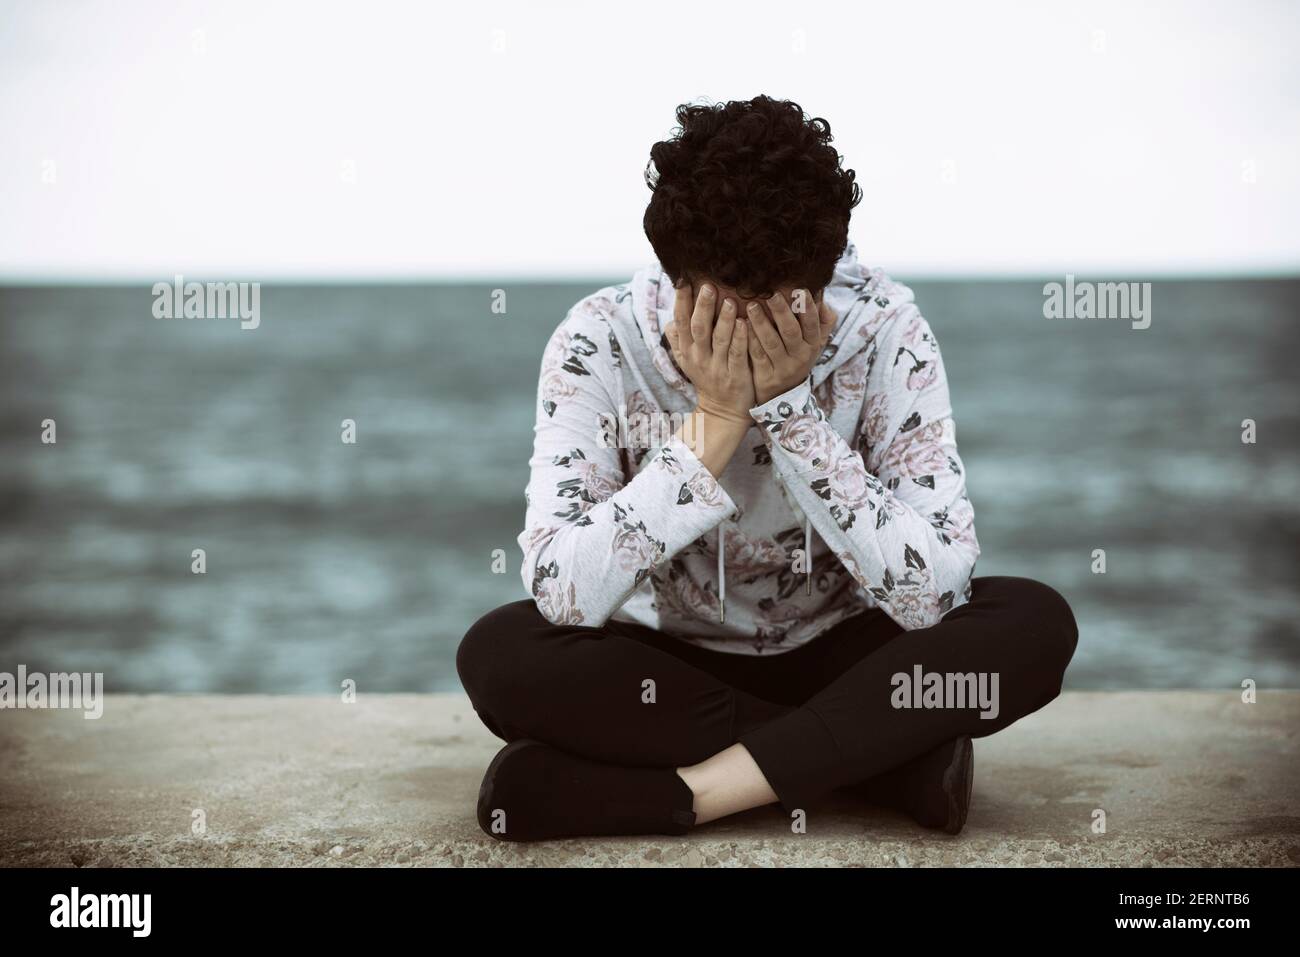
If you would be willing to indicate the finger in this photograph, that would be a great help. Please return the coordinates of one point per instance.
(806, 309)
(722, 331)
(828, 318)
(674, 340)
(702, 317)
(738, 351)
(765, 331)
(682, 305)
(788, 325)
(757, 354)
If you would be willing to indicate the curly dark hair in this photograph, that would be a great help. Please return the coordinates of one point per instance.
(749, 194)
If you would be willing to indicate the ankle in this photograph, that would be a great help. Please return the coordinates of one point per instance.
(694, 781)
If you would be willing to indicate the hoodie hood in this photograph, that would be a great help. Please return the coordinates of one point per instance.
(856, 293)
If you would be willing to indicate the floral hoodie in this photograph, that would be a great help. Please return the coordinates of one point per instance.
(863, 453)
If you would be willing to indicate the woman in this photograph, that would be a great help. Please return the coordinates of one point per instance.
(777, 601)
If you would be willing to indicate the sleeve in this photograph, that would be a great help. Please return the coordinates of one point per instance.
(591, 536)
(900, 519)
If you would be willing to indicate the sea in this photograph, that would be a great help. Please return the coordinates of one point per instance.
(328, 562)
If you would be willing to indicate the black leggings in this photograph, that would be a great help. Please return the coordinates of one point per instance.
(816, 718)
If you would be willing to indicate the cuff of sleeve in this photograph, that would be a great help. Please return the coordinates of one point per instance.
(795, 400)
(697, 487)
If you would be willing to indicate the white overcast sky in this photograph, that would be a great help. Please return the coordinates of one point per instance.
(386, 140)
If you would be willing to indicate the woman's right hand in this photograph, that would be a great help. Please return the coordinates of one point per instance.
(711, 346)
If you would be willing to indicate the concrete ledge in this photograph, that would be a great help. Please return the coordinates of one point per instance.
(1185, 778)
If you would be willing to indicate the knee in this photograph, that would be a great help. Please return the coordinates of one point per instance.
(1039, 614)
(485, 655)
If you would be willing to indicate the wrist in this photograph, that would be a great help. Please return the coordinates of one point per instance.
(714, 435)
(763, 397)
(722, 417)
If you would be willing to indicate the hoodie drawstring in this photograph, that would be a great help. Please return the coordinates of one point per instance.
(807, 552)
(722, 573)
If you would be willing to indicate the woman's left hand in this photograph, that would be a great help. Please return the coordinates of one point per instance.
(783, 348)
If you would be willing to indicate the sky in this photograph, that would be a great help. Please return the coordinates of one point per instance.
(247, 140)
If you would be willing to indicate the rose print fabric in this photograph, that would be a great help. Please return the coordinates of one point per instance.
(865, 449)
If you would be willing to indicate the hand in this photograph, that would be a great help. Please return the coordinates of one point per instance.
(713, 354)
(783, 348)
